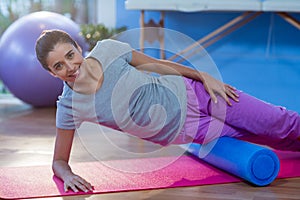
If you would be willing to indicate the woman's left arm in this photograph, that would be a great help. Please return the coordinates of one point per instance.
(165, 67)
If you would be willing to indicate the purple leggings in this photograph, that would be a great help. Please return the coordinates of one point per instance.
(249, 119)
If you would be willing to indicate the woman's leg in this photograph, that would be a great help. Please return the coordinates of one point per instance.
(250, 119)
(263, 119)
(206, 134)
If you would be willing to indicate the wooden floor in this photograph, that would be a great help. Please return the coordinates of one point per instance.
(27, 136)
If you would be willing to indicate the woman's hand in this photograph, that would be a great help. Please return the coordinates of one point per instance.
(214, 86)
(60, 166)
(76, 183)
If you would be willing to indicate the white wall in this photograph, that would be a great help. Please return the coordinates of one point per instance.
(105, 12)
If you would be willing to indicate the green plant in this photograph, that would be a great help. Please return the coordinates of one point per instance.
(93, 33)
(3, 89)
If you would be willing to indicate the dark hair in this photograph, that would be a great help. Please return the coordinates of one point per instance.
(47, 41)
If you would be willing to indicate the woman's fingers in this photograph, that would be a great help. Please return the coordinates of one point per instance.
(214, 87)
(77, 184)
(76, 187)
(229, 86)
(225, 97)
(66, 187)
(231, 92)
(225, 92)
(211, 93)
(85, 183)
(70, 185)
(82, 187)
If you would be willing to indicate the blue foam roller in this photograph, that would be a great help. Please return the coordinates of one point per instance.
(251, 162)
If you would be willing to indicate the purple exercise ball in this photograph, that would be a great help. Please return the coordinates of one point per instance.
(20, 70)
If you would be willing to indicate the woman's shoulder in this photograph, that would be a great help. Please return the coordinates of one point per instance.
(109, 43)
(108, 50)
(109, 47)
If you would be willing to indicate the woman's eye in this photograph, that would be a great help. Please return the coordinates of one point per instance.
(70, 55)
(58, 66)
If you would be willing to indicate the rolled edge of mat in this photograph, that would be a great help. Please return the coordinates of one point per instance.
(251, 162)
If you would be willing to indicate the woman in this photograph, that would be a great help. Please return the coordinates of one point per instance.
(180, 106)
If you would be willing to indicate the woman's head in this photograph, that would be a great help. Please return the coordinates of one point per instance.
(47, 41)
(59, 54)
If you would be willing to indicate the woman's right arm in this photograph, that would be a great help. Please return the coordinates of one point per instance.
(60, 166)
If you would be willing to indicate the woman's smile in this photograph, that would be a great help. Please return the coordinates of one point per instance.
(75, 74)
(65, 61)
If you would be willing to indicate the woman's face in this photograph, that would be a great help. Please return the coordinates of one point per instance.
(64, 61)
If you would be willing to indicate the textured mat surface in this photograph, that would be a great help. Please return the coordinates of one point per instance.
(38, 181)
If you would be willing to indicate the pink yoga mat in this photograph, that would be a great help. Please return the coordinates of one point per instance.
(38, 181)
